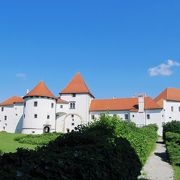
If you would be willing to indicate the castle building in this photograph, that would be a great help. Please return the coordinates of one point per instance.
(11, 114)
(39, 111)
(169, 100)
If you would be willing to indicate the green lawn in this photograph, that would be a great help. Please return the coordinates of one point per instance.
(8, 144)
(176, 172)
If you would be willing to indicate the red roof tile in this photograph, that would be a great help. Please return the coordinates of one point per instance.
(77, 85)
(122, 104)
(171, 94)
(40, 90)
(61, 101)
(12, 100)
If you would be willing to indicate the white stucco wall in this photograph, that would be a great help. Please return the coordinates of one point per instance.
(139, 118)
(120, 114)
(171, 115)
(14, 114)
(32, 125)
(80, 113)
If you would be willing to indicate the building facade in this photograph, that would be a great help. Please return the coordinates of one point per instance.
(39, 111)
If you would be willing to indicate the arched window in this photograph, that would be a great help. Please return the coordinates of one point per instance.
(46, 129)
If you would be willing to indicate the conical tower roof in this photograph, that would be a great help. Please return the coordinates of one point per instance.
(40, 90)
(77, 85)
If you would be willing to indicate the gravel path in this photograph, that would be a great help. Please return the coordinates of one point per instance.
(157, 166)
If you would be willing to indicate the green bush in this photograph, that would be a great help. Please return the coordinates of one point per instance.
(173, 147)
(173, 126)
(39, 140)
(153, 126)
(106, 149)
(142, 139)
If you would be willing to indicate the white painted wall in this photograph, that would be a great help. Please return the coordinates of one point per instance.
(171, 115)
(139, 118)
(14, 114)
(120, 114)
(32, 125)
(80, 113)
(61, 112)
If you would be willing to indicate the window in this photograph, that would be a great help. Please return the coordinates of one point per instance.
(72, 115)
(126, 116)
(52, 105)
(179, 108)
(133, 115)
(35, 115)
(148, 116)
(25, 104)
(61, 106)
(172, 109)
(93, 116)
(48, 116)
(24, 115)
(2, 108)
(5, 124)
(35, 103)
(72, 119)
(46, 129)
(73, 95)
(72, 124)
(72, 105)
(5, 117)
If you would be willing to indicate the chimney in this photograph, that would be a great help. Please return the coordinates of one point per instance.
(141, 103)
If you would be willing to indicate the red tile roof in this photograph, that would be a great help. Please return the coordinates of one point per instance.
(121, 104)
(61, 101)
(40, 90)
(12, 100)
(171, 94)
(77, 85)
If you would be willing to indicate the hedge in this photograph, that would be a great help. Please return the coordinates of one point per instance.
(173, 126)
(173, 147)
(106, 149)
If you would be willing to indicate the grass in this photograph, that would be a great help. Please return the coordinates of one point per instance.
(8, 143)
(176, 172)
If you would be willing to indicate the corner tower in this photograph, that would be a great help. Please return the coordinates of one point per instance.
(79, 97)
(39, 110)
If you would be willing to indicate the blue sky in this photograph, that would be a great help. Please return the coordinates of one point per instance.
(120, 47)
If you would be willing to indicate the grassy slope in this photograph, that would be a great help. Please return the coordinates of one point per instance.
(8, 144)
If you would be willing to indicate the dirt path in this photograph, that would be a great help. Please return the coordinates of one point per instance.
(157, 166)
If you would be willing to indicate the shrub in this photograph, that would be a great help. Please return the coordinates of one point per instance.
(106, 149)
(173, 147)
(173, 126)
(142, 139)
(153, 126)
(40, 140)
(90, 152)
